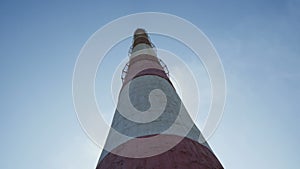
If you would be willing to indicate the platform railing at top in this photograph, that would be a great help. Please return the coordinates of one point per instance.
(165, 67)
(125, 69)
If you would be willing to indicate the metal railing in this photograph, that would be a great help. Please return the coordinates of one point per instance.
(125, 69)
(164, 67)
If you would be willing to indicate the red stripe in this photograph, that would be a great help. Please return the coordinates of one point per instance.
(188, 154)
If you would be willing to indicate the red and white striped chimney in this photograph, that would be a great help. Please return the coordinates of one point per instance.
(151, 128)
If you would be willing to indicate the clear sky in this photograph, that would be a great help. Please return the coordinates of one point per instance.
(258, 43)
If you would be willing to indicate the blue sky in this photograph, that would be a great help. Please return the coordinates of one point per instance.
(258, 43)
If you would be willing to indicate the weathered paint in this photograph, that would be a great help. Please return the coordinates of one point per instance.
(187, 154)
(174, 113)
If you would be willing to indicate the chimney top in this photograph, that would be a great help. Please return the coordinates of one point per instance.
(139, 31)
